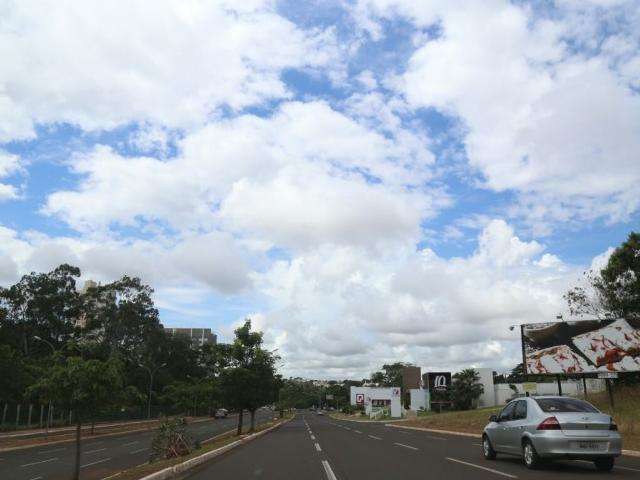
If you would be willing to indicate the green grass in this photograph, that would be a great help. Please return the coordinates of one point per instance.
(626, 414)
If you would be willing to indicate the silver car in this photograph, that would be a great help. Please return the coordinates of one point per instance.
(539, 428)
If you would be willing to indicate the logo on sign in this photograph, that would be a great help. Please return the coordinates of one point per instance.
(359, 398)
(395, 392)
(439, 381)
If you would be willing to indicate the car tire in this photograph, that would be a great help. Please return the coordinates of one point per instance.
(604, 464)
(531, 458)
(487, 448)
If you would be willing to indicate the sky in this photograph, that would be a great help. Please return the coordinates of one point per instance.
(369, 181)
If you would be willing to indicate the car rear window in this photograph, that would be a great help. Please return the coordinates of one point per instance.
(550, 405)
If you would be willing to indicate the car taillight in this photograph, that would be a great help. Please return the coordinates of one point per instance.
(613, 425)
(550, 423)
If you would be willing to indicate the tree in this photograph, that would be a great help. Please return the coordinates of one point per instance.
(83, 387)
(249, 381)
(466, 388)
(614, 291)
(391, 374)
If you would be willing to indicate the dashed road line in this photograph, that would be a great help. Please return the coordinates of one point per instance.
(357, 431)
(95, 463)
(497, 472)
(405, 446)
(328, 471)
(115, 475)
(95, 451)
(37, 478)
(318, 447)
(42, 461)
(313, 437)
(374, 437)
(138, 451)
(130, 443)
(50, 451)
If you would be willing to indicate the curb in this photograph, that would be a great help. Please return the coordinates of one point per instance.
(174, 470)
(629, 453)
(365, 421)
(57, 442)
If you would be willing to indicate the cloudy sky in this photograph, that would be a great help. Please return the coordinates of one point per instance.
(370, 181)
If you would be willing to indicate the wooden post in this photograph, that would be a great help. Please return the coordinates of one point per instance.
(610, 390)
(18, 415)
(30, 412)
(559, 385)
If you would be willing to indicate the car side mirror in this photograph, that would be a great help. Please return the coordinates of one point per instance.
(493, 418)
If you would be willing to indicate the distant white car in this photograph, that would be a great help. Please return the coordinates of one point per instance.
(221, 413)
(319, 412)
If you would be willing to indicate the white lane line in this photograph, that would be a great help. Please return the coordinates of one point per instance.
(36, 478)
(138, 451)
(374, 437)
(627, 468)
(313, 437)
(50, 451)
(94, 451)
(497, 472)
(357, 431)
(318, 447)
(37, 463)
(476, 444)
(405, 446)
(328, 471)
(114, 475)
(95, 463)
(130, 443)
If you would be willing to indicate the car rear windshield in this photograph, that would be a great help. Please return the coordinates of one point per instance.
(565, 405)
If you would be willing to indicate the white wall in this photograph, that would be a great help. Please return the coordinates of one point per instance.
(375, 393)
(488, 398)
(419, 398)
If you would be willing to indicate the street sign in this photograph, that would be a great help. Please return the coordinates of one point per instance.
(608, 375)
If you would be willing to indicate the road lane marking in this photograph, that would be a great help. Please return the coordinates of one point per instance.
(357, 431)
(374, 437)
(328, 471)
(318, 447)
(476, 444)
(95, 463)
(130, 443)
(37, 463)
(627, 468)
(138, 451)
(94, 451)
(497, 472)
(313, 437)
(405, 446)
(51, 451)
(115, 475)
(36, 478)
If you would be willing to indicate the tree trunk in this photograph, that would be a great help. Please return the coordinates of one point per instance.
(239, 432)
(76, 472)
(253, 421)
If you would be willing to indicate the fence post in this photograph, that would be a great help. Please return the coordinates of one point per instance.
(70, 413)
(30, 412)
(4, 413)
(18, 415)
(51, 418)
(41, 414)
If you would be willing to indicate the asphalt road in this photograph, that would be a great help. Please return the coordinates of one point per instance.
(101, 457)
(314, 447)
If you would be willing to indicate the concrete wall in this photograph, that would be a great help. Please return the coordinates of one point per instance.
(419, 398)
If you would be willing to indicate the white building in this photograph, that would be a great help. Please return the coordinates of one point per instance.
(373, 398)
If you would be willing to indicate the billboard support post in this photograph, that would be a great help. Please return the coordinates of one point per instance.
(610, 391)
(559, 385)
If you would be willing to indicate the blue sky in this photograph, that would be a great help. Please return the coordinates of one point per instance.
(369, 181)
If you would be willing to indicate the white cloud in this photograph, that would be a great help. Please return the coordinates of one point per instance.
(171, 63)
(9, 165)
(347, 312)
(306, 175)
(560, 128)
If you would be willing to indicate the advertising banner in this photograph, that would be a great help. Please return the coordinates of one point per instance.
(438, 381)
(583, 346)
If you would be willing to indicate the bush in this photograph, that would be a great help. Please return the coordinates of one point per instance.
(348, 409)
(171, 440)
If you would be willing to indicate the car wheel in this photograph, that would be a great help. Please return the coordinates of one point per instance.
(487, 449)
(530, 456)
(604, 464)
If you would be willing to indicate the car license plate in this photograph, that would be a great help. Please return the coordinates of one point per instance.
(591, 446)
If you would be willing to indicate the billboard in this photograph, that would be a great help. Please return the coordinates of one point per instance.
(438, 381)
(581, 347)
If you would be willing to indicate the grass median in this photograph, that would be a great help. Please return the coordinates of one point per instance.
(219, 441)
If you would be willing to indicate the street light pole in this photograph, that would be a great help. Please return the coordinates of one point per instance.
(151, 374)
